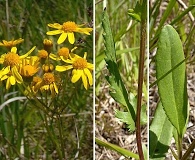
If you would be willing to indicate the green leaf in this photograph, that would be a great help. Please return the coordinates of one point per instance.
(118, 90)
(116, 148)
(136, 12)
(173, 87)
(160, 134)
(124, 117)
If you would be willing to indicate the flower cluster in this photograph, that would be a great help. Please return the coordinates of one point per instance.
(37, 73)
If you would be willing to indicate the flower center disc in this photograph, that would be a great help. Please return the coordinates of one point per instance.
(48, 78)
(29, 70)
(43, 54)
(80, 63)
(69, 26)
(63, 52)
(11, 59)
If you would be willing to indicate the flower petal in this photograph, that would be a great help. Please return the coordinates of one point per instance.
(84, 30)
(4, 77)
(84, 79)
(28, 53)
(54, 57)
(89, 76)
(51, 33)
(6, 70)
(12, 80)
(17, 76)
(55, 25)
(62, 38)
(63, 68)
(56, 88)
(90, 66)
(76, 75)
(2, 58)
(71, 38)
(8, 84)
(52, 89)
(14, 49)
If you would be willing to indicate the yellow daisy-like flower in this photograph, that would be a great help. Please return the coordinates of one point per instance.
(62, 53)
(67, 29)
(49, 83)
(11, 61)
(11, 75)
(29, 67)
(81, 69)
(12, 43)
(36, 84)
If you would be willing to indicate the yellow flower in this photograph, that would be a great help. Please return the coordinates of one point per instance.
(36, 84)
(12, 43)
(49, 83)
(43, 54)
(81, 69)
(29, 67)
(62, 53)
(11, 61)
(67, 29)
(11, 75)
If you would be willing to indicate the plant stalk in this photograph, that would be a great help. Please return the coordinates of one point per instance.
(179, 147)
(189, 150)
(140, 84)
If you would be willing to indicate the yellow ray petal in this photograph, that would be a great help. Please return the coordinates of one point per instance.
(51, 33)
(4, 77)
(28, 53)
(54, 57)
(84, 30)
(12, 80)
(84, 79)
(8, 84)
(63, 68)
(71, 38)
(17, 76)
(89, 76)
(76, 75)
(6, 70)
(56, 88)
(55, 25)
(62, 38)
(14, 49)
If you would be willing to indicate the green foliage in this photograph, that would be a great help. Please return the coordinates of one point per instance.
(116, 148)
(173, 87)
(160, 134)
(118, 91)
(136, 12)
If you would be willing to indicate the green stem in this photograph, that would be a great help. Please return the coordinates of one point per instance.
(53, 138)
(179, 147)
(140, 80)
(7, 19)
(60, 134)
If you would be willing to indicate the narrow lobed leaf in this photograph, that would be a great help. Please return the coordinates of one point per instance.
(118, 90)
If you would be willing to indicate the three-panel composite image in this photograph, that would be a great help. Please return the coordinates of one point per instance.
(97, 80)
